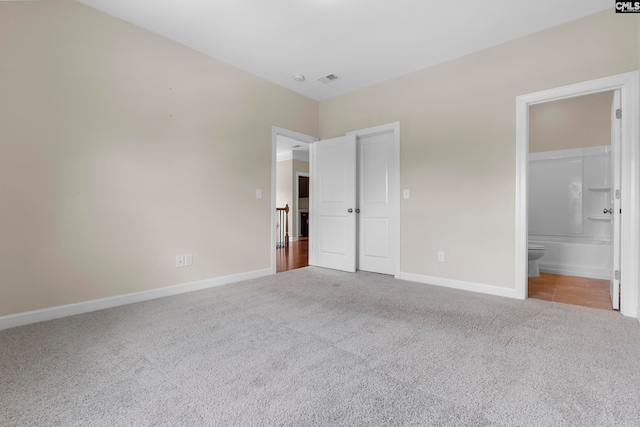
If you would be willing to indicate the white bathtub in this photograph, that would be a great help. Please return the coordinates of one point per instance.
(575, 259)
(568, 190)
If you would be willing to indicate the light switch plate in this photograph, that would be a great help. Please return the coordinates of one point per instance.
(188, 260)
(258, 193)
(405, 194)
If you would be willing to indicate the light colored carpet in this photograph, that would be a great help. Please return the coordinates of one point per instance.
(318, 347)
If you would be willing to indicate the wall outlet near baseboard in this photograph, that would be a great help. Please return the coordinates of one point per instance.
(441, 256)
(179, 261)
(188, 260)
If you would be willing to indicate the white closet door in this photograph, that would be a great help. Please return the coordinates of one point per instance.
(375, 186)
(333, 217)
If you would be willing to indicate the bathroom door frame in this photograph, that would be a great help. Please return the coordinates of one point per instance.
(628, 85)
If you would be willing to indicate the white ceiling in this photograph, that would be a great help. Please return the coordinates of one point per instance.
(288, 149)
(363, 42)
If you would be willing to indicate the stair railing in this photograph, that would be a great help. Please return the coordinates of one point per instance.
(282, 227)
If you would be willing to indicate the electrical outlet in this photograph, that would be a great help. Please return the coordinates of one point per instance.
(441, 256)
(188, 260)
(179, 261)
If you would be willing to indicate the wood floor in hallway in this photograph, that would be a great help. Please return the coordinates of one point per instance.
(571, 290)
(295, 256)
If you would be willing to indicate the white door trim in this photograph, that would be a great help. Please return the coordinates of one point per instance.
(627, 83)
(395, 217)
(275, 131)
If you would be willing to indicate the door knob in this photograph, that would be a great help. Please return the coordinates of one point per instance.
(357, 210)
(609, 211)
(350, 210)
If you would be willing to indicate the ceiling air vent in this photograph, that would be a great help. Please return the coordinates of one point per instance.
(328, 78)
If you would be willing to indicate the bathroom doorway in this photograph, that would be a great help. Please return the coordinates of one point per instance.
(575, 210)
(572, 171)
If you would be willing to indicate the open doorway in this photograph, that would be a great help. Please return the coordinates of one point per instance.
(626, 196)
(291, 222)
(572, 171)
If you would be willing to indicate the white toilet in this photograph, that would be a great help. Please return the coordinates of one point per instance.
(535, 253)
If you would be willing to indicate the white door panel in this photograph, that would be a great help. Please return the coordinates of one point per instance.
(375, 172)
(376, 237)
(333, 235)
(376, 175)
(333, 169)
(331, 240)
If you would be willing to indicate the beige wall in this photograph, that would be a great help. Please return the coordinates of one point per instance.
(284, 190)
(119, 150)
(584, 121)
(458, 139)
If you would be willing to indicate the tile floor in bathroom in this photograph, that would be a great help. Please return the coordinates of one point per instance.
(571, 290)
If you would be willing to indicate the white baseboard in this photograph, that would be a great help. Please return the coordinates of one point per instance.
(592, 273)
(459, 284)
(20, 319)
